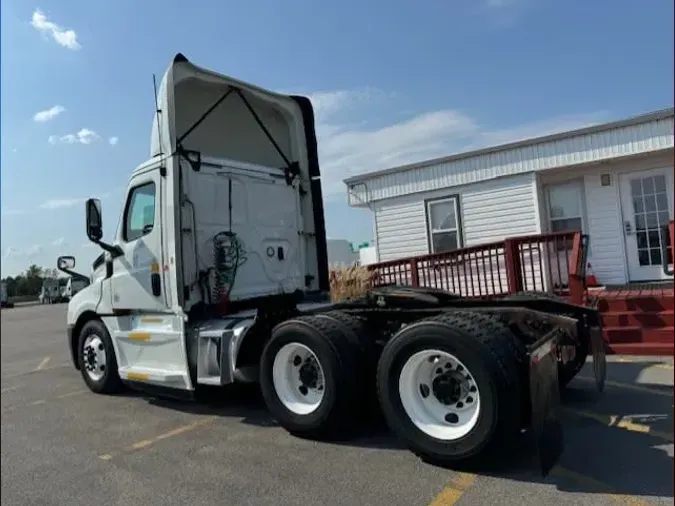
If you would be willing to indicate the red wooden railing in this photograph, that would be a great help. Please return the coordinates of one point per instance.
(547, 262)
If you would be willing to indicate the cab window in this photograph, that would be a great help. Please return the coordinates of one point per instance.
(139, 217)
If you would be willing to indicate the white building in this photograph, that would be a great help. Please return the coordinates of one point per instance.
(340, 253)
(613, 181)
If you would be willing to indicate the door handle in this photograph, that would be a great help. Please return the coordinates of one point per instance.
(628, 227)
(156, 284)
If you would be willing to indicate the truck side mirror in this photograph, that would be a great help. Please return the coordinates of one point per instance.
(65, 263)
(94, 220)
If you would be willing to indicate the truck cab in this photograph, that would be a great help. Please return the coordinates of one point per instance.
(50, 292)
(227, 211)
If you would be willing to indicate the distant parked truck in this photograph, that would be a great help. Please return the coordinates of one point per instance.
(4, 301)
(49, 293)
(73, 286)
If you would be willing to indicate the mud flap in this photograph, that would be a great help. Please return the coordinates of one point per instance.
(599, 358)
(545, 403)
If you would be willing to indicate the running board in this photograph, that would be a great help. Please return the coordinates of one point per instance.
(171, 379)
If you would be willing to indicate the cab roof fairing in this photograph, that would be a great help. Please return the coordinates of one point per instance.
(180, 70)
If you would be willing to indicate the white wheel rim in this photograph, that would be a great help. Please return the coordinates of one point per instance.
(298, 378)
(439, 394)
(94, 357)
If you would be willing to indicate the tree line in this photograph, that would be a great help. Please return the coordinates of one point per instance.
(30, 281)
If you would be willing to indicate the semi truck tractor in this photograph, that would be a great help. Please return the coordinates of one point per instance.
(218, 274)
(73, 285)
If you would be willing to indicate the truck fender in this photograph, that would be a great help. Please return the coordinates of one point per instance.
(79, 313)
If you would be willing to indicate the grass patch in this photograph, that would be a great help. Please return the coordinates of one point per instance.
(350, 282)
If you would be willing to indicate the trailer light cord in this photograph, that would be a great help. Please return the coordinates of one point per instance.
(228, 255)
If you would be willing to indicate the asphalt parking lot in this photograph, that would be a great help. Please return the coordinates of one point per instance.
(62, 445)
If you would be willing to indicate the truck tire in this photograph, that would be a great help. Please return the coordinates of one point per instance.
(309, 377)
(356, 331)
(451, 387)
(566, 372)
(96, 358)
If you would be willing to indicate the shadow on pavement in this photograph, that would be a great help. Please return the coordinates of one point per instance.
(616, 442)
(246, 402)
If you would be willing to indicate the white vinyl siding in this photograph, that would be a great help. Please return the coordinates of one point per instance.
(489, 212)
(503, 207)
(401, 230)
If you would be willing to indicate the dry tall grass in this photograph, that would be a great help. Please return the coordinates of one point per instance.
(348, 282)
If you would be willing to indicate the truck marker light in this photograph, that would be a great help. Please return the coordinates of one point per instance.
(136, 376)
(139, 336)
(152, 320)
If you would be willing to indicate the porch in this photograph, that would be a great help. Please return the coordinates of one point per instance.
(621, 204)
(637, 319)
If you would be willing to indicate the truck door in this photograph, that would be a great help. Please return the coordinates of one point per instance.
(136, 282)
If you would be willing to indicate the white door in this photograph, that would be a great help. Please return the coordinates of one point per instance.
(647, 205)
(136, 283)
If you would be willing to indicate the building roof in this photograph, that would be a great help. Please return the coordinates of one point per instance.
(647, 132)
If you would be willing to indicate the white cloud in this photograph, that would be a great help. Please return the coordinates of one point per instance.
(33, 250)
(62, 203)
(345, 150)
(63, 37)
(61, 241)
(48, 114)
(11, 212)
(330, 103)
(84, 136)
(25, 252)
(113, 141)
(11, 252)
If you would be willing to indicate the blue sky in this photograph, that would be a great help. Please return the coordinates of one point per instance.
(391, 84)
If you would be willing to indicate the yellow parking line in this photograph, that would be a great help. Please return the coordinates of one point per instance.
(628, 386)
(39, 402)
(145, 443)
(454, 490)
(42, 365)
(598, 486)
(34, 371)
(621, 423)
(70, 394)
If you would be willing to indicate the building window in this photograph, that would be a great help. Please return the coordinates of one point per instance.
(443, 223)
(565, 211)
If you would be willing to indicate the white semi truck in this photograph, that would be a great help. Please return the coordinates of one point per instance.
(73, 285)
(218, 274)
